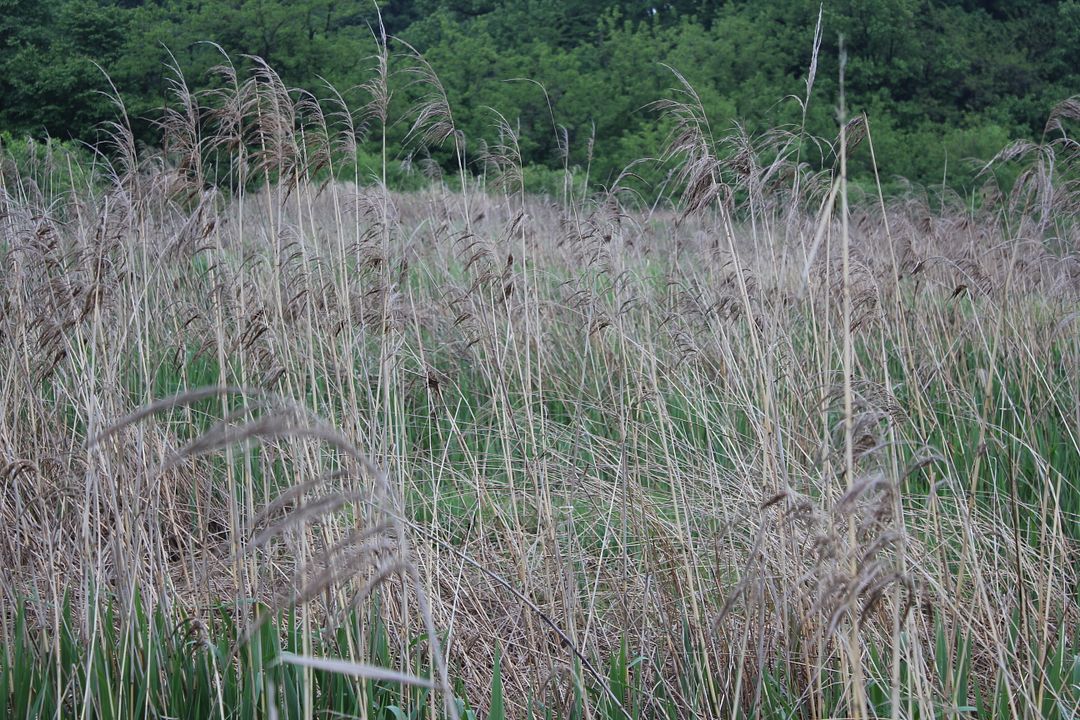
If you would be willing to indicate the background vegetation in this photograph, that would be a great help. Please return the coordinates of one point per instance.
(955, 78)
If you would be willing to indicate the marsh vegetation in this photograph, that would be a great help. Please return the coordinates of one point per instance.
(277, 441)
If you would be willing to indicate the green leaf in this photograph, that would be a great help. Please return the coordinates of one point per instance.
(497, 710)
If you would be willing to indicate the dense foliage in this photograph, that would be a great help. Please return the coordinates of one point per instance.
(956, 78)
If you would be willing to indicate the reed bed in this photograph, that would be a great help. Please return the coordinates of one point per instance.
(279, 442)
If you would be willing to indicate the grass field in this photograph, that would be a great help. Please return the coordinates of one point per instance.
(280, 443)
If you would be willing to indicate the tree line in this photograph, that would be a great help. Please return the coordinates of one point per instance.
(945, 83)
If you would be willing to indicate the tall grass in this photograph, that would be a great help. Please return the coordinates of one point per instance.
(758, 450)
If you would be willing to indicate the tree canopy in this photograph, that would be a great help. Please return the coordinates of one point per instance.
(942, 81)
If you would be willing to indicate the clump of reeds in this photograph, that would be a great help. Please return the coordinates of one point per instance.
(752, 449)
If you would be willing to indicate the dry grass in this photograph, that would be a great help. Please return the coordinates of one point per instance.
(792, 456)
